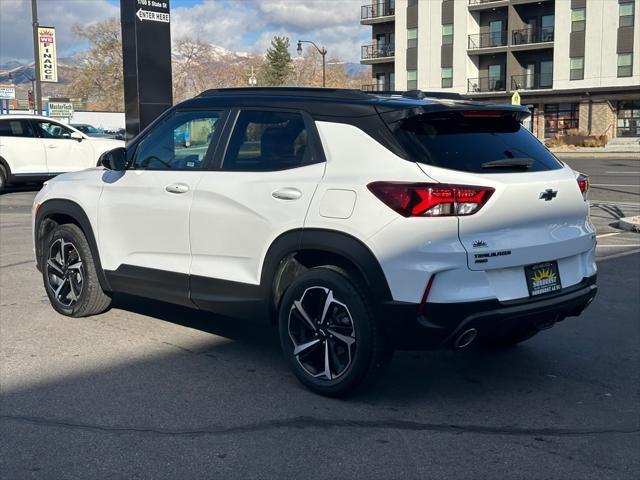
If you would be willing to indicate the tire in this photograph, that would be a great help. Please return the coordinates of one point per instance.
(339, 347)
(3, 179)
(73, 276)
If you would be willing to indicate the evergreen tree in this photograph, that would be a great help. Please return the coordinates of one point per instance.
(279, 66)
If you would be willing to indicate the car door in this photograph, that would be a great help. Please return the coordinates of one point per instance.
(21, 148)
(63, 153)
(267, 176)
(143, 217)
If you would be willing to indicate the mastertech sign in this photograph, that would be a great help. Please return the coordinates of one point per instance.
(47, 54)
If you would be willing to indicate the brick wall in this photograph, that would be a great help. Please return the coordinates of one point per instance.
(602, 116)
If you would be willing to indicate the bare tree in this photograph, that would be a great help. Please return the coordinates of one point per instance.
(99, 76)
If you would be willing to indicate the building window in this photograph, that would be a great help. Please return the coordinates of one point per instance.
(629, 119)
(447, 77)
(625, 64)
(412, 79)
(412, 3)
(558, 118)
(392, 81)
(447, 34)
(626, 15)
(578, 18)
(576, 66)
(412, 38)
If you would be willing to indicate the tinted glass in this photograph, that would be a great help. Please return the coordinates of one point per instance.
(15, 128)
(264, 141)
(180, 143)
(458, 143)
(52, 130)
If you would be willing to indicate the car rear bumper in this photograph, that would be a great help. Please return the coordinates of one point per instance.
(442, 323)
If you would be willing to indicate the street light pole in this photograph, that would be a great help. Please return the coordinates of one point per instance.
(37, 93)
(322, 51)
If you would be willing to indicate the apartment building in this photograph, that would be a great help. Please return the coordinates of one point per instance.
(574, 63)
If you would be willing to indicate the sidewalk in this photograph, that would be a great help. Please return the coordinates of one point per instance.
(598, 153)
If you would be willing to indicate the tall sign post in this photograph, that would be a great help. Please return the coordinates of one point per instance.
(36, 57)
(146, 58)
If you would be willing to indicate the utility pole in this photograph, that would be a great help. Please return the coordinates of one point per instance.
(37, 93)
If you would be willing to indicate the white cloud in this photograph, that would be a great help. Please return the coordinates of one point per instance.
(251, 24)
(310, 15)
(16, 40)
(238, 25)
(212, 23)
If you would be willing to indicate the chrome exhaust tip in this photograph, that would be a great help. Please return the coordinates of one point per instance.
(465, 339)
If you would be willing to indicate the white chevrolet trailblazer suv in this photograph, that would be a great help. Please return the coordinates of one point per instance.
(34, 148)
(358, 223)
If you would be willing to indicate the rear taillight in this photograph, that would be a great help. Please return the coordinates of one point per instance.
(431, 199)
(583, 183)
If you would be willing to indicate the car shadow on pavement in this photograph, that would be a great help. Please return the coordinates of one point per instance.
(240, 371)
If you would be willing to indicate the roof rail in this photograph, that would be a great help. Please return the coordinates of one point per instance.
(310, 92)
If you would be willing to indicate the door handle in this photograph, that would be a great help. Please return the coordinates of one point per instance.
(177, 188)
(51, 146)
(287, 193)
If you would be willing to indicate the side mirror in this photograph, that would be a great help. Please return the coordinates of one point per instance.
(115, 159)
(76, 136)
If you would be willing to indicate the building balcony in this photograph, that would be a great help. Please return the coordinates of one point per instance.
(379, 53)
(377, 13)
(487, 40)
(529, 36)
(475, 5)
(535, 81)
(524, 2)
(486, 84)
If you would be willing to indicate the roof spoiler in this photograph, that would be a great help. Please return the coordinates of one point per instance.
(465, 109)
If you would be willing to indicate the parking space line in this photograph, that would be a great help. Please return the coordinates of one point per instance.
(613, 185)
(624, 173)
(618, 255)
(608, 234)
(619, 246)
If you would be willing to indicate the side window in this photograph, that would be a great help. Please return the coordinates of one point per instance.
(16, 128)
(264, 141)
(52, 130)
(179, 143)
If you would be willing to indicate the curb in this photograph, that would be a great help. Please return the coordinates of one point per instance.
(597, 155)
(631, 224)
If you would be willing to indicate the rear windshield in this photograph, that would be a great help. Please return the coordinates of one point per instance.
(476, 144)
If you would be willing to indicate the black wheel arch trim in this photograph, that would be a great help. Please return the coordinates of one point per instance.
(330, 241)
(7, 168)
(71, 209)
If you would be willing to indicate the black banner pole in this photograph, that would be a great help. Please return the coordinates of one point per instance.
(146, 58)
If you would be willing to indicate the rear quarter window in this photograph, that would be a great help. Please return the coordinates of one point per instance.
(466, 144)
(15, 128)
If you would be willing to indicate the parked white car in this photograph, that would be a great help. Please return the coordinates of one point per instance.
(34, 148)
(358, 223)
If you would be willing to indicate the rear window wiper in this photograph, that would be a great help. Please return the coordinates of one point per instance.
(523, 162)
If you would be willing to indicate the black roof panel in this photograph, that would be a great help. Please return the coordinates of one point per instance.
(335, 102)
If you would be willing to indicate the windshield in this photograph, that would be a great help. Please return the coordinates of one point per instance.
(475, 144)
(88, 129)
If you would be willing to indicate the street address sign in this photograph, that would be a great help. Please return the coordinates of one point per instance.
(7, 92)
(153, 16)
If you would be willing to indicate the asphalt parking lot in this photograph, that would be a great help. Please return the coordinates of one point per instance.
(149, 390)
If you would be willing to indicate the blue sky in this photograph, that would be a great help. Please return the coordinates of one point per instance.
(237, 25)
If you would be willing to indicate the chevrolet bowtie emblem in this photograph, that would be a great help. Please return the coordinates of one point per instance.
(548, 195)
